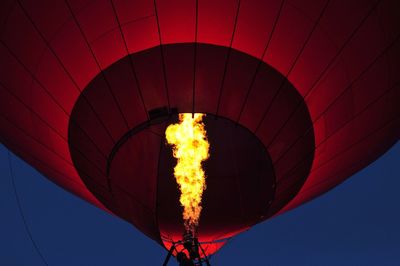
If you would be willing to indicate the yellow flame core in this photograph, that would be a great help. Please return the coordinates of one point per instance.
(190, 147)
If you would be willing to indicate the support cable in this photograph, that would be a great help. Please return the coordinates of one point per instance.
(21, 212)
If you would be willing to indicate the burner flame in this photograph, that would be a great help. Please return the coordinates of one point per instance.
(190, 147)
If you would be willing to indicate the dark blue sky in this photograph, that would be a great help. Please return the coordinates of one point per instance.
(357, 223)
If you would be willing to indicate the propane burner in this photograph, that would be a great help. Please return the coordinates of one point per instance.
(188, 251)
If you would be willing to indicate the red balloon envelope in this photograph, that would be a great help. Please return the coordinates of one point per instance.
(299, 95)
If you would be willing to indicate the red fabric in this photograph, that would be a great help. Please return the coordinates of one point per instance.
(346, 69)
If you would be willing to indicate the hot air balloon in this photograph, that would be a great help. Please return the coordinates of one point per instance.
(297, 96)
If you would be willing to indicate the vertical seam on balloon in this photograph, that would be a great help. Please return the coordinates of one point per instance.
(38, 82)
(81, 185)
(58, 155)
(16, 147)
(97, 62)
(130, 59)
(45, 122)
(327, 67)
(47, 92)
(41, 85)
(70, 164)
(340, 50)
(336, 131)
(42, 144)
(67, 73)
(261, 61)
(107, 32)
(351, 146)
(35, 78)
(134, 76)
(21, 212)
(63, 67)
(57, 103)
(67, 20)
(342, 93)
(162, 56)
(227, 60)
(285, 80)
(102, 73)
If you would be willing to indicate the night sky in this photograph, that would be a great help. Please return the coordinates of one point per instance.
(357, 223)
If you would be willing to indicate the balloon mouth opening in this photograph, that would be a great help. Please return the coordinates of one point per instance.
(130, 169)
(222, 133)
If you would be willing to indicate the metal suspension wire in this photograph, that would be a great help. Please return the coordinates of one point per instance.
(21, 212)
